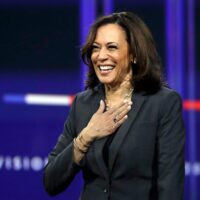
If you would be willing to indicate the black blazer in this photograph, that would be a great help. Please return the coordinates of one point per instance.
(146, 156)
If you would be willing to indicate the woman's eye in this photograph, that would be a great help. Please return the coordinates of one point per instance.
(112, 47)
(95, 48)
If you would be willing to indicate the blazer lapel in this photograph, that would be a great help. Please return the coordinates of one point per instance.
(137, 100)
(99, 144)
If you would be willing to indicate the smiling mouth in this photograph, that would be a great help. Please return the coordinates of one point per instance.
(106, 68)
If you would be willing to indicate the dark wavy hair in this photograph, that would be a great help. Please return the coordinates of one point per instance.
(147, 74)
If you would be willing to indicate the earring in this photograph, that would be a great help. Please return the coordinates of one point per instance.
(135, 60)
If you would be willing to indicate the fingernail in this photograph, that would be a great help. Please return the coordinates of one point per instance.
(129, 107)
(130, 103)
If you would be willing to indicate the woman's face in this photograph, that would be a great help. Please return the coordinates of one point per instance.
(110, 55)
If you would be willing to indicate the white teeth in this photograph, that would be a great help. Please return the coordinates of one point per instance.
(106, 67)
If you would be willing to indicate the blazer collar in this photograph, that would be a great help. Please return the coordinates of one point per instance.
(138, 100)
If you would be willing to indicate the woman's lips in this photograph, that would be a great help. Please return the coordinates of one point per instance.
(105, 69)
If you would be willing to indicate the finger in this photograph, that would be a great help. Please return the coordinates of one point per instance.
(122, 111)
(121, 121)
(101, 107)
(123, 105)
(120, 114)
(118, 109)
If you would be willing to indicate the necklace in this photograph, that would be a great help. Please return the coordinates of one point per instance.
(127, 96)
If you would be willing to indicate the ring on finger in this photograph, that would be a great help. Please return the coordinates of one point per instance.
(115, 120)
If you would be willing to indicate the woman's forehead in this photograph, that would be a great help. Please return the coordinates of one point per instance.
(111, 33)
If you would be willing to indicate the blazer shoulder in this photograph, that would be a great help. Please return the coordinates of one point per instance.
(168, 93)
(165, 97)
(168, 98)
(85, 95)
(89, 94)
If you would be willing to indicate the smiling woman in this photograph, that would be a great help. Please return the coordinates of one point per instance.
(142, 55)
(110, 55)
(125, 132)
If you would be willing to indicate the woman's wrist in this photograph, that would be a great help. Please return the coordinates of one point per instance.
(83, 141)
(79, 146)
(87, 135)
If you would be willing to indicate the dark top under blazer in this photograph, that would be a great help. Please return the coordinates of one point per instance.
(146, 157)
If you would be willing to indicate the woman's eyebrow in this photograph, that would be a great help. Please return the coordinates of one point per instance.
(112, 43)
(108, 43)
(95, 43)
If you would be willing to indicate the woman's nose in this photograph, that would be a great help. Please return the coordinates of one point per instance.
(103, 54)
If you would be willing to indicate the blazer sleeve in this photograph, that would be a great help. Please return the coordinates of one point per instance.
(171, 139)
(60, 169)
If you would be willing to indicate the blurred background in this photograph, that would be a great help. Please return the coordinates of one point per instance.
(41, 70)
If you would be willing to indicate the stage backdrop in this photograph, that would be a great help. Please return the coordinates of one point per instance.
(39, 75)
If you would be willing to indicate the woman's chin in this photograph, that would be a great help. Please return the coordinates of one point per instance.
(106, 81)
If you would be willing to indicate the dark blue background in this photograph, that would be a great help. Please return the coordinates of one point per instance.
(39, 53)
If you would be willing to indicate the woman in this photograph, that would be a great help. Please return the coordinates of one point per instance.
(125, 132)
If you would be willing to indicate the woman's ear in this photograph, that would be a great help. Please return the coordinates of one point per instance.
(133, 60)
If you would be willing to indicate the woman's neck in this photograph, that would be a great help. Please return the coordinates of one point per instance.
(116, 94)
(118, 90)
